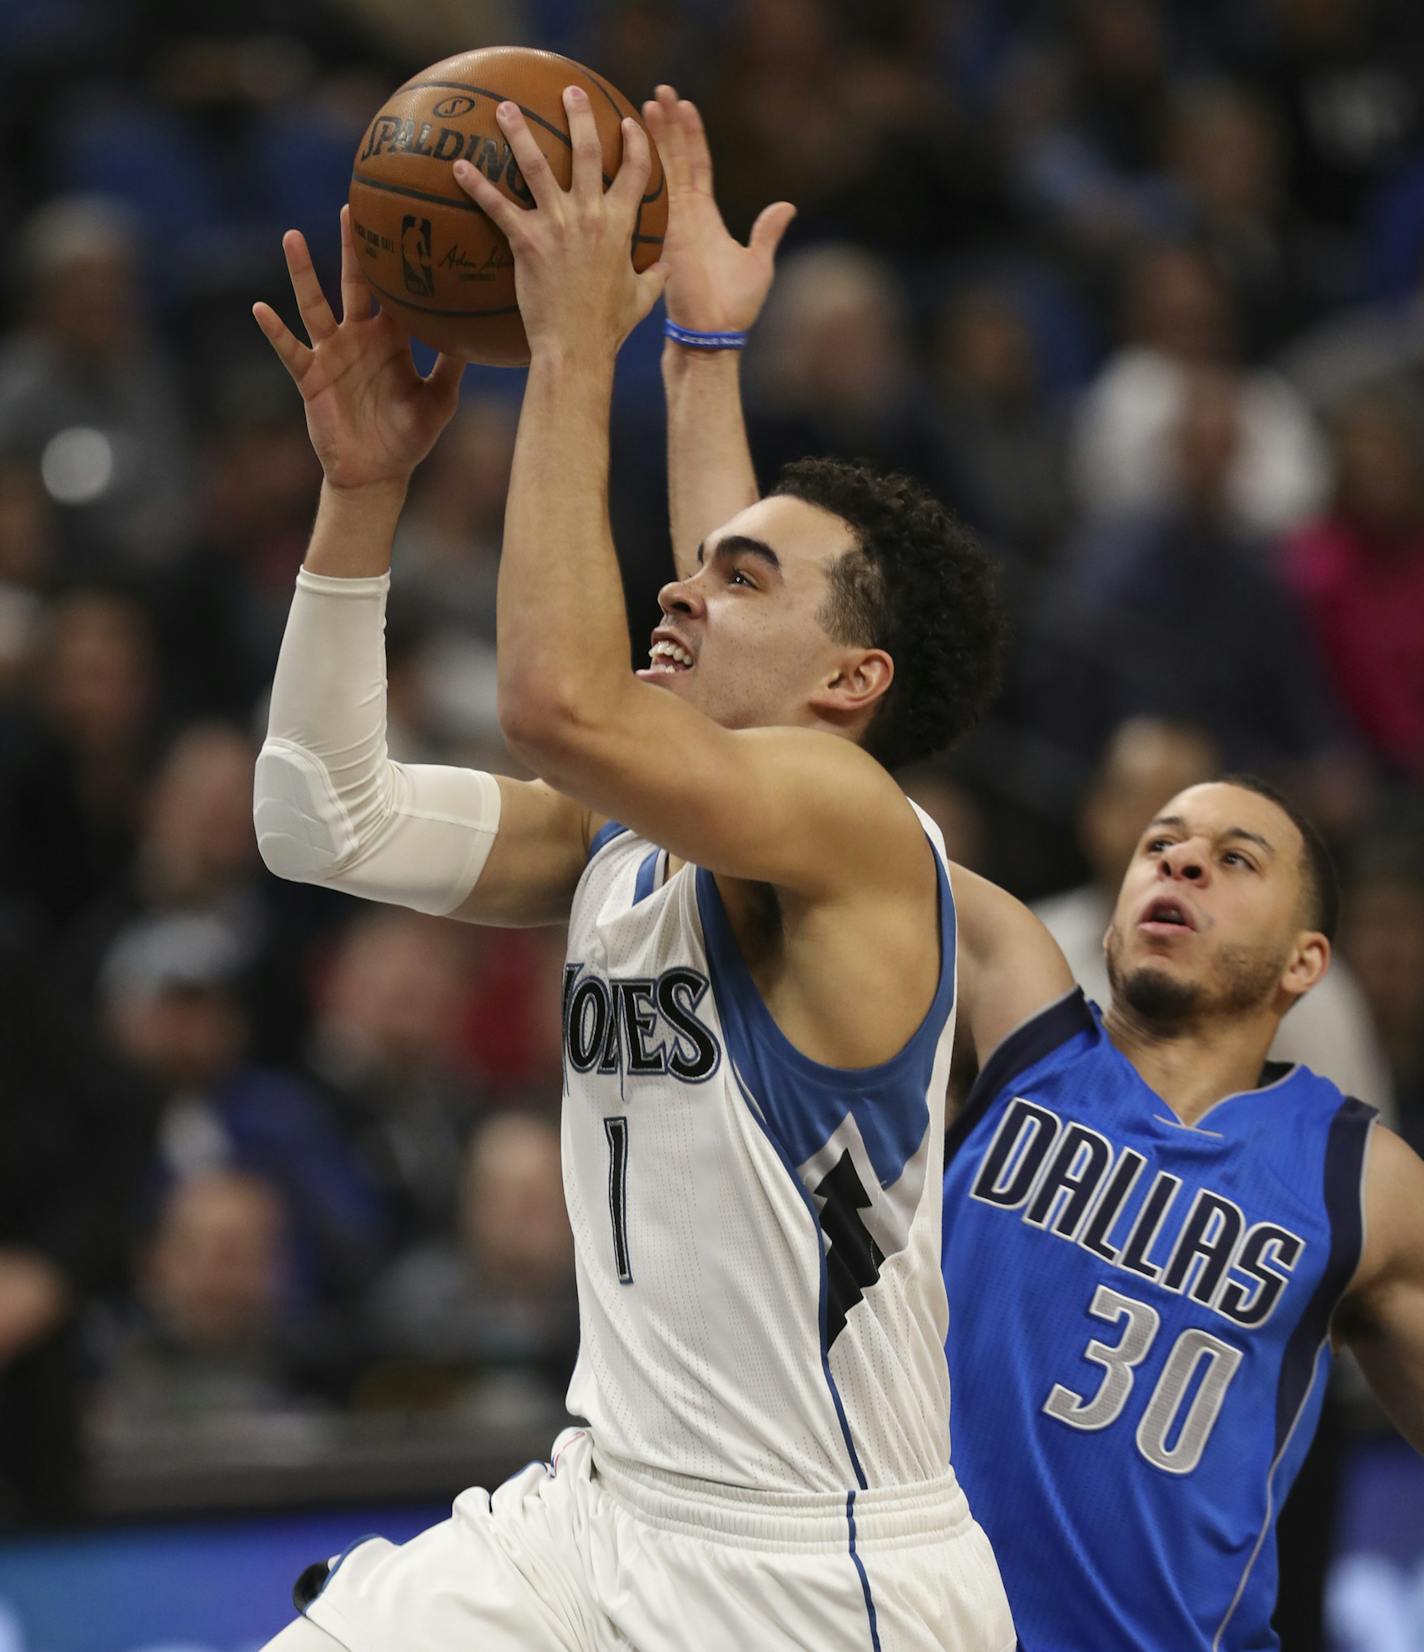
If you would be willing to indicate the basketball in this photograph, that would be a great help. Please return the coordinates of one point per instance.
(436, 263)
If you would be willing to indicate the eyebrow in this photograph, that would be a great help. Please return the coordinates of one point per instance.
(742, 544)
(1230, 832)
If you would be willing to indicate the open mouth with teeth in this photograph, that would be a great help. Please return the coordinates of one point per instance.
(1166, 914)
(666, 658)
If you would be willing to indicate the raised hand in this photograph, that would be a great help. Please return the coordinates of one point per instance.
(715, 284)
(573, 274)
(371, 417)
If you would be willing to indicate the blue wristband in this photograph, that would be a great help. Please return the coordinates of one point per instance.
(704, 341)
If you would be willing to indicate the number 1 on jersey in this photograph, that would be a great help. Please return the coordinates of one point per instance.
(616, 1129)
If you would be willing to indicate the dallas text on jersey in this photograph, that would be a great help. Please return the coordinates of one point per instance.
(1073, 1182)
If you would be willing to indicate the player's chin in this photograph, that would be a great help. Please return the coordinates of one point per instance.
(675, 680)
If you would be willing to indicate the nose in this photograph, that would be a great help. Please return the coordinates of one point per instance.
(1186, 861)
(681, 596)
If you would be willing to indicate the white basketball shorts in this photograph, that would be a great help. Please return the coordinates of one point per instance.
(582, 1555)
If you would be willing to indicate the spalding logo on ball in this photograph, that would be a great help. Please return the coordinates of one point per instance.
(434, 260)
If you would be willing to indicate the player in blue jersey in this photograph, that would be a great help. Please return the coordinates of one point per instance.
(1153, 1241)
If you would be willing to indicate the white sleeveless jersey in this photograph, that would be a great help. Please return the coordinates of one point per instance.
(757, 1235)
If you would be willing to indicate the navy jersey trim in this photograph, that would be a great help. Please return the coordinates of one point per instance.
(806, 1100)
(647, 878)
(864, 1580)
(1344, 1166)
(1064, 1019)
(1300, 1363)
(604, 836)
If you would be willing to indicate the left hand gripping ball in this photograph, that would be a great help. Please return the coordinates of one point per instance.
(437, 264)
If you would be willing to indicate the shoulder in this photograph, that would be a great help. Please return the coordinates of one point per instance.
(1057, 1037)
(1392, 1198)
(1010, 966)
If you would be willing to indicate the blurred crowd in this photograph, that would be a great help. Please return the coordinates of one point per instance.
(1137, 285)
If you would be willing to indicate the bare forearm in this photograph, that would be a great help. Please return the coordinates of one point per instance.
(354, 530)
(562, 628)
(710, 474)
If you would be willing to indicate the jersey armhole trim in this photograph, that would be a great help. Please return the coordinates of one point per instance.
(1023, 1048)
(604, 836)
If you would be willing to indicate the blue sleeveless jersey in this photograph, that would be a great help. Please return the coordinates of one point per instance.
(1139, 1333)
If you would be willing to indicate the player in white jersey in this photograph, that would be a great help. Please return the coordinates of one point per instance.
(765, 962)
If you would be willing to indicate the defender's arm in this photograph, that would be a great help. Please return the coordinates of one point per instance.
(1010, 966)
(715, 285)
(1382, 1317)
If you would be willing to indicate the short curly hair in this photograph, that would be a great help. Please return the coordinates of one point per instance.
(917, 584)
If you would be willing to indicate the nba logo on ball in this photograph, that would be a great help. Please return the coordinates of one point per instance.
(415, 256)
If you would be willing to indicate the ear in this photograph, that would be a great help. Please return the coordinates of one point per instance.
(862, 679)
(1308, 962)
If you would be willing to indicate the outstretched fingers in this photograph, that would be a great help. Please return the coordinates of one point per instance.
(291, 352)
(315, 312)
(772, 223)
(660, 114)
(444, 378)
(694, 137)
(355, 294)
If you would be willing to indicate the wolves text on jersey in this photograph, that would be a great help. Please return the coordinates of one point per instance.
(1072, 1182)
(638, 1025)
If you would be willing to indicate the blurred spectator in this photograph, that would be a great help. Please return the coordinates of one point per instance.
(205, 1344)
(834, 370)
(1082, 110)
(838, 109)
(28, 553)
(73, 761)
(222, 604)
(1178, 318)
(1360, 349)
(1345, 77)
(445, 567)
(385, 1048)
(1358, 575)
(62, 1237)
(486, 1318)
(86, 394)
(1173, 610)
(1146, 763)
(512, 1035)
(1382, 939)
(952, 807)
(1006, 435)
(196, 854)
(1224, 153)
(177, 1046)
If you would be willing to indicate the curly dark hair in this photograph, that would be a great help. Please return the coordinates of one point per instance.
(917, 584)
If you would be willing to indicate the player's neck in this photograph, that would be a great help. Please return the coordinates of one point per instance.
(1192, 1066)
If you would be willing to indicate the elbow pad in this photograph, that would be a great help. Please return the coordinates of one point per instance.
(329, 805)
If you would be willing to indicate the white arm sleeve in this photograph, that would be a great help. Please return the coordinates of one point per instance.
(329, 805)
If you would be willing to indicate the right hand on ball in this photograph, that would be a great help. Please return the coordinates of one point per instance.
(715, 284)
(371, 417)
(578, 291)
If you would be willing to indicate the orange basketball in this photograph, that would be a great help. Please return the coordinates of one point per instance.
(437, 264)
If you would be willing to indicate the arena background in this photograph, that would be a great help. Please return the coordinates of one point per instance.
(1137, 285)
